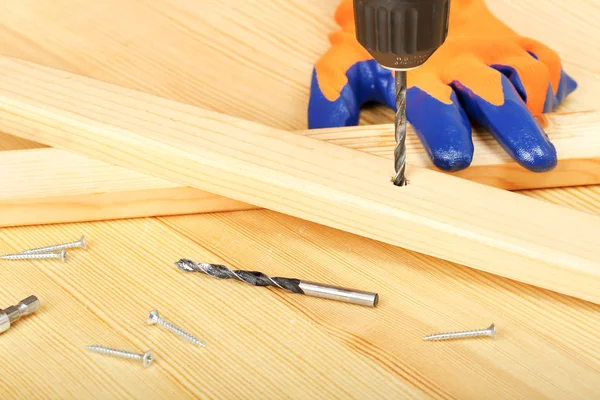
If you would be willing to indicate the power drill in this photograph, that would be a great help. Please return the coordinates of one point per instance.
(401, 35)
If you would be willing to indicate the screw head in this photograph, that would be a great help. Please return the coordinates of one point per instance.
(63, 255)
(148, 358)
(152, 317)
(83, 243)
(492, 330)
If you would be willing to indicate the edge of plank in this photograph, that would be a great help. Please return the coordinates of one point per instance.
(450, 218)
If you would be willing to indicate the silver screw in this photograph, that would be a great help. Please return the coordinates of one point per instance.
(145, 358)
(62, 255)
(81, 244)
(155, 318)
(489, 331)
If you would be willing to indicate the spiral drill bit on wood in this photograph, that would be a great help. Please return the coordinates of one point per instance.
(400, 129)
(291, 285)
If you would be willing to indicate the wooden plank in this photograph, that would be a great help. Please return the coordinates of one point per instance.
(576, 137)
(584, 198)
(436, 214)
(294, 339)
(49, 185)
(547, 345)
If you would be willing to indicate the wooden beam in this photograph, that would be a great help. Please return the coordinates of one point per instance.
(454, 219)
(47, 185)
(575, 136)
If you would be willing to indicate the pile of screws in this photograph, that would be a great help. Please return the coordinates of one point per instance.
(148, 357)
(58, 251)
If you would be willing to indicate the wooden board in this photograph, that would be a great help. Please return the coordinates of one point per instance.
(50, 186)
(481, 227)
(277, 345)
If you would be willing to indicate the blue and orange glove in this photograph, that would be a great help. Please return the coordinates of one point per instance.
(484, 73)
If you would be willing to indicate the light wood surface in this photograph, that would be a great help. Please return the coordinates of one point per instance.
(268, 343)
(475, 225)
(48, 185)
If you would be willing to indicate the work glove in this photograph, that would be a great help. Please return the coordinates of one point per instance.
(484, 73)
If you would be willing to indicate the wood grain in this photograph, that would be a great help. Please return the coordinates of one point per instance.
(218, 41)
(584, 198)
(51, 186)
(575, 136)
(475, 225)
(547, 345)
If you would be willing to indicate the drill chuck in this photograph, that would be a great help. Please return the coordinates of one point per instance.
(401, 34)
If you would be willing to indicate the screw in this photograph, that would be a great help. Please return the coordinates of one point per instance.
(145, 358)
(489, 331)
(78, 244)
(62, 255)
(155, 318)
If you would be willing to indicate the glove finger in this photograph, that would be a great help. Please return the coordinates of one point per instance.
(367, 82)
(509, 121)
(547, 56)
(566, 86)
(442, 127)
(342, 110)
(530, 78)
(561, 84)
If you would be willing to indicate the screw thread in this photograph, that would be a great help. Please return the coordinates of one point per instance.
(116, 353)
(180, 332)
(31, 256)
(491, 331)
(64, 246)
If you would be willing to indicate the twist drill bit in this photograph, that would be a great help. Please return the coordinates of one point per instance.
(401, 35)
(291, 285)
(400, 129)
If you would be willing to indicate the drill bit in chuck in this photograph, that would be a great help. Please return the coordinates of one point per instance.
(400, 129)
(291, 285)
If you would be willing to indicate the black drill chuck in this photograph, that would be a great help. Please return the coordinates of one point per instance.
(401, 34)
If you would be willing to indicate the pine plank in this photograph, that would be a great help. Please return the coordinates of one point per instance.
(51, 186)
(478, 226)
(319, 348)
(544, 348)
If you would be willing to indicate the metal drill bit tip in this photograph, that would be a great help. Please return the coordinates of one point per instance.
(400, 129)
(489, 331)
(291, 285)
